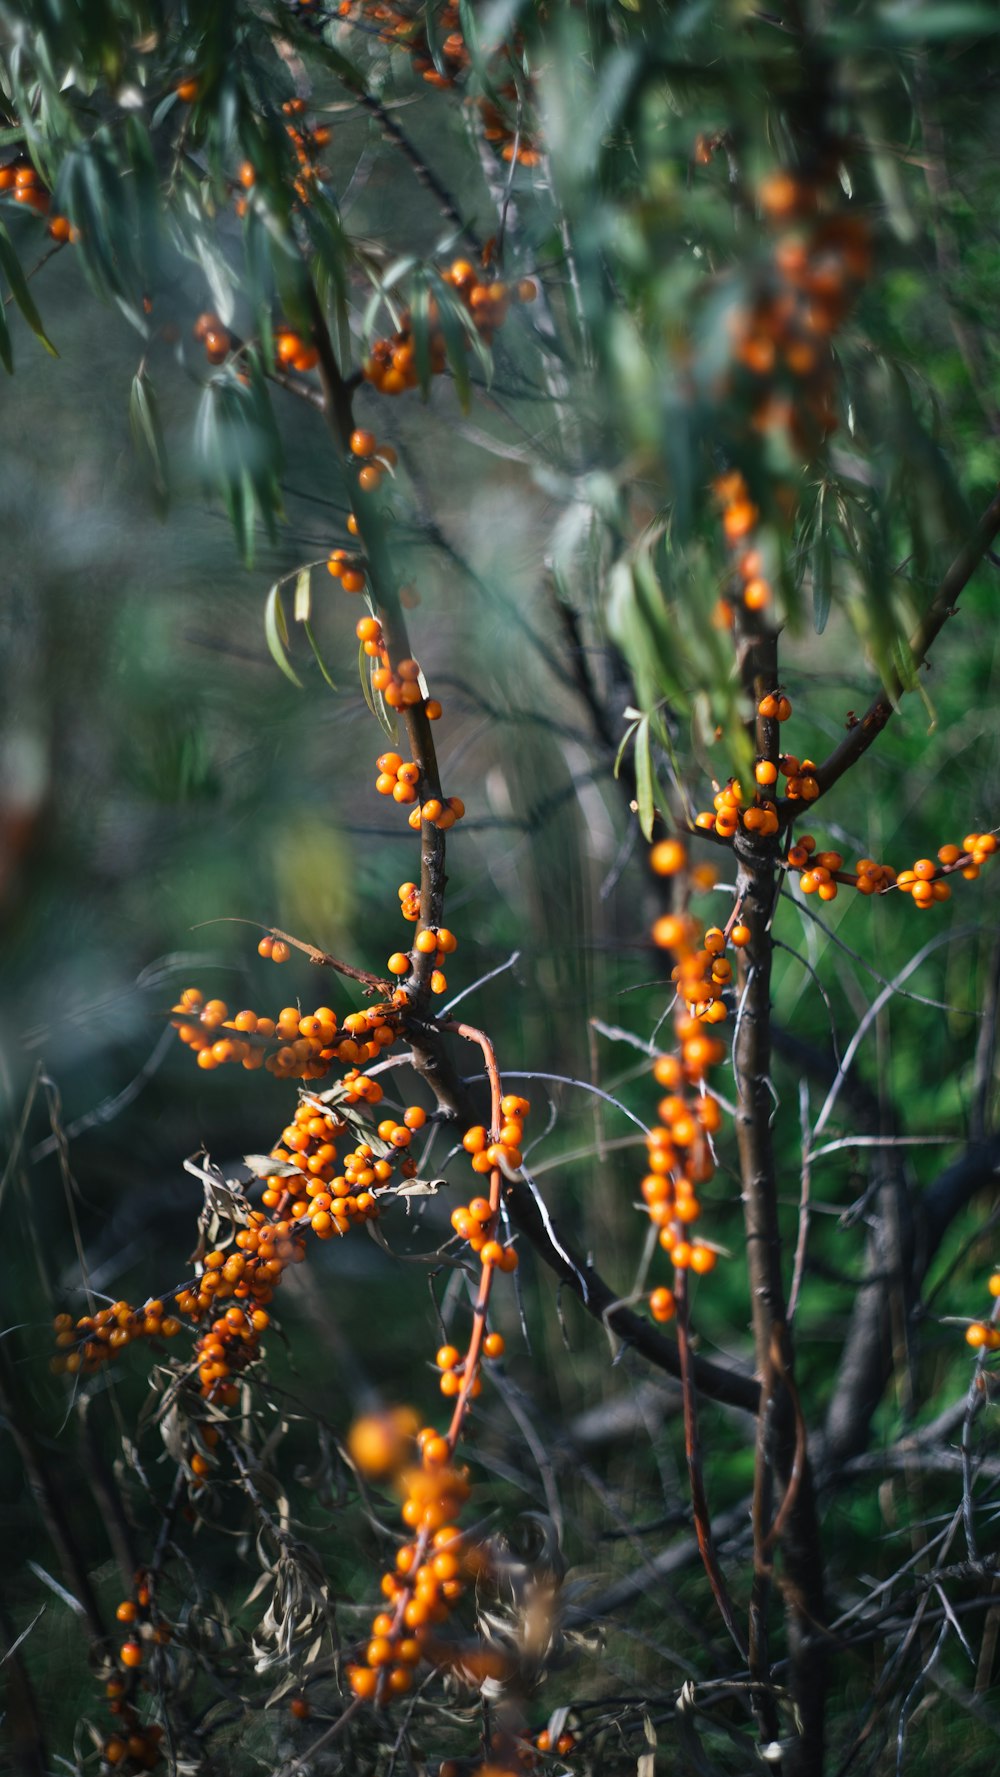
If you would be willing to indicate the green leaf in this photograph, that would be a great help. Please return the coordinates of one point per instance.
(276, 632)
(623, 746)
(20, 292)
(303, 595)
(420, 321)
(822, 570)
(320, 662)
(645, 779)
(144, 419)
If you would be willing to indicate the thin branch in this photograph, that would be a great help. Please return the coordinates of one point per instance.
(857, 741)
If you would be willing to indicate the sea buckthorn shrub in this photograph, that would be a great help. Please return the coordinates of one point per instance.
(675, 1167)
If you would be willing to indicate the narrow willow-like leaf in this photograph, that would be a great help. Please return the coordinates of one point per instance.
(20, 292)
(144, 419)
(320, 662)
(822, 569)
(303, 595)
(645, 779)
(276, 632)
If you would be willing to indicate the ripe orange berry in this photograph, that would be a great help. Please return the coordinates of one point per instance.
(363, 1681)
(667, 857)
(130, 1654)
(662, 1305)
(363, 443)
(493, 1345)
(740, 935)
(299, 1707)
(765, 772)
(398, 964)
(370, 478)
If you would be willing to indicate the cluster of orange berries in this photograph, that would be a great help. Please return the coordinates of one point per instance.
(375, 457)
(476, 1222)
(20, 180)
(452, 1365)
(739, 517)
(83, 1345)
(391, 366)
(679, 1154)
(985, 1335)
(328, 1199)
(133, 1745)
(308, 1192)
(400, 779)
(405, 31)
(727, 812)
(821, 871)
(399, 685)
(818, 870)
(290, 349)
(308, 142)
(291, 1046)
(428, 1576)
(701, 972)
(232, 1342)
(782, 340)
(679, 1159)
(924, 882)
(436, 942)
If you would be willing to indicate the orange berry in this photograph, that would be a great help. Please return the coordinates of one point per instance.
(130, 1654)
(363, 443)
(667, 857)
(363, 1681)
(398, 964)
(662, 1305)
(493, 1345)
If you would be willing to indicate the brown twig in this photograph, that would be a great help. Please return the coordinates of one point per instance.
(857, 741)
(696, 1475)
